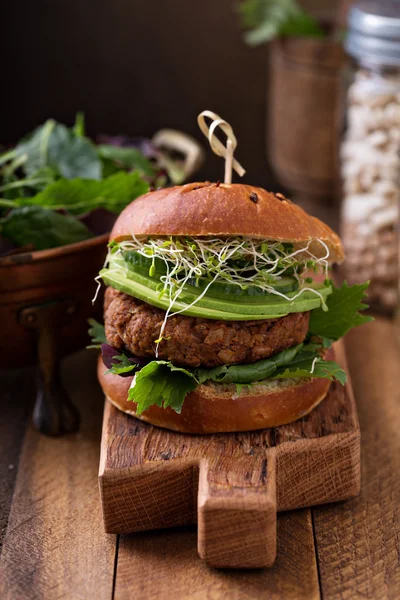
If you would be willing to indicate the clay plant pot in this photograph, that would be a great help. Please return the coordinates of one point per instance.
(302, 114)
(45, 301)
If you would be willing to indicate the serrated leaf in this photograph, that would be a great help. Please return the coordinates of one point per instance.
(344, 305)
(163, 384)
(97, 332)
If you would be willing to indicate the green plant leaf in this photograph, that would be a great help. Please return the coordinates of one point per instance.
(268, 19)
(33, 148)
(121, 365)
(302, 25)
(79, 125)
(42, 228)
(344, 305)
(73, 156)
(79, 196)
(249, 373)
(54, 145)
(128, 158)
(97, 332)
(163, 384)
(309, 367)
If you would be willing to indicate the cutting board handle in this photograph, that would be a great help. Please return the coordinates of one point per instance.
(237, 511)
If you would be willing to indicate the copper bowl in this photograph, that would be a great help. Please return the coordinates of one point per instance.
(61, 276)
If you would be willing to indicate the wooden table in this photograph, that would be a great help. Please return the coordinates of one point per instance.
(51, 526)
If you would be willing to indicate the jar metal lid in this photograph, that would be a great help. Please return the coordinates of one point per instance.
(374, 31)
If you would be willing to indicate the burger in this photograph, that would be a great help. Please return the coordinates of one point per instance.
(220, 313)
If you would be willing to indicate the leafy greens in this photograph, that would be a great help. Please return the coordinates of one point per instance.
(268, 19)
(344, 305)
(80, 196)
(42, 228)
(55, 176)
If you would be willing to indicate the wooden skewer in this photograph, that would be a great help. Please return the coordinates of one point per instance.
(216, 145)
(228, 161)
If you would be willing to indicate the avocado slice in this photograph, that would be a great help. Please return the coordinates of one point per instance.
(147, 289)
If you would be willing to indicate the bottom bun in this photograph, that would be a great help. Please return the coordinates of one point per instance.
(217, 408)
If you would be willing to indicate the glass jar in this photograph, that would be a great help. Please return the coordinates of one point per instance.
(370, 151)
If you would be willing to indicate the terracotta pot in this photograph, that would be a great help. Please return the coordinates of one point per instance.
(61, 277)
(302, 123)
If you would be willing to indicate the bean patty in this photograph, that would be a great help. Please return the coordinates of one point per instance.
(192, 341)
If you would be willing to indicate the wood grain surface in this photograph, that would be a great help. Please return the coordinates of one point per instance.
(157, 565)
(55, 546)
(232, 484)
(359, 541)
(16, 398)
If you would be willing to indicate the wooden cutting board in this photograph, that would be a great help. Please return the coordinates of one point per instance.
(231, 484)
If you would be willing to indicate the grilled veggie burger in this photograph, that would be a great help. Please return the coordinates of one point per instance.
(219, 312)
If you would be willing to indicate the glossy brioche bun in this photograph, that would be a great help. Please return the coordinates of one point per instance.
(216, 408)
(210, 209)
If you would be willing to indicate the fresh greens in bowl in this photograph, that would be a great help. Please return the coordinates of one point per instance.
(55, 179)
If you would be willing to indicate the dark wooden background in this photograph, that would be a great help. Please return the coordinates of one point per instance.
(134, 66)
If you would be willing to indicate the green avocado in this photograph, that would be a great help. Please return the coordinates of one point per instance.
(147, 289)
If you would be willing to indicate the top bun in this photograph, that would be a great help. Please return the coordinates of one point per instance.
(213, 209)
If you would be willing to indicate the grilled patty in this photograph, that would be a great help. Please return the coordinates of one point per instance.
(192, 341)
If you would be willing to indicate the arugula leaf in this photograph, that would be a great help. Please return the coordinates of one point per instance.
(42, 228)
(79, 196)
(163, 384)
(343, 304)
(97, 332)
(268, 19)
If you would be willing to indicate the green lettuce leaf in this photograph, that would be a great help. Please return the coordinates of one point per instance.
(263, 369)
(79, 196)
(54, 145)
(164, 384)
(344, 305)
(129, 158)
(42, 228)
(161, 383)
